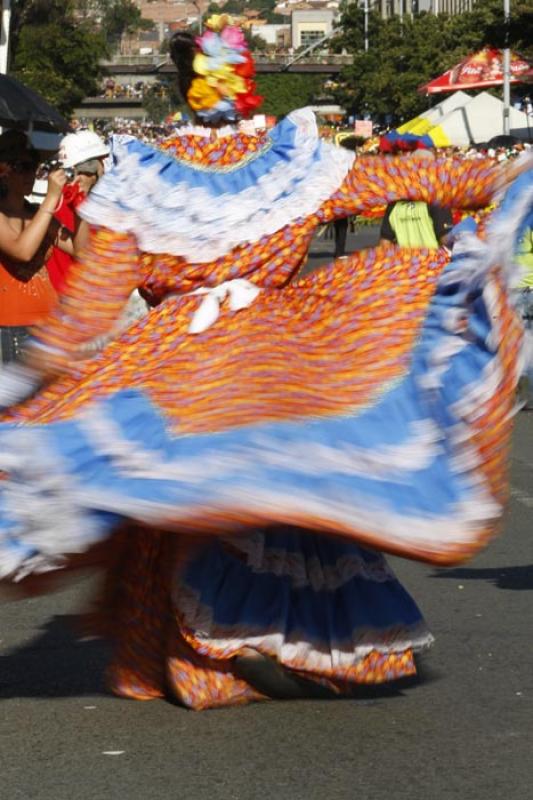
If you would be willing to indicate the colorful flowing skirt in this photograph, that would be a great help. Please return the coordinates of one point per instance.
(372, 401)
(260, 465)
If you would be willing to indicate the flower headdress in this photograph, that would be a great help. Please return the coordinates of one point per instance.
(224, 89)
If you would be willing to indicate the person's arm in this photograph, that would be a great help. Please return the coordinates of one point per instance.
(81, 234)
(442, 222)
(98, 286)
(374, 181)
(64, 240)
(24, 245)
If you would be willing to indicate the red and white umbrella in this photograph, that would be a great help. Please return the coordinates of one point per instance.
(480, 71)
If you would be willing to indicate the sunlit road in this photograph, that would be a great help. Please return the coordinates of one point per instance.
(462, 731)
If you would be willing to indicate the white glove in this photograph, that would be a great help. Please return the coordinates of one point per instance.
(17, 382)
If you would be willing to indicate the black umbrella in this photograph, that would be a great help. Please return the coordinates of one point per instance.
(22, 108)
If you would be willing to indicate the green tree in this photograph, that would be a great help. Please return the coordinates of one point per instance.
(56, 54)
(405, 54)
(267, 8)
(35, 12)
(162, 99)
(401, 57)
(283, 92)
(156, 104)
(231, 7)
(121, 17)
(255, 42)
(237, 7)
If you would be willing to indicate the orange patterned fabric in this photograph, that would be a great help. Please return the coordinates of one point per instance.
(290, 334)
(449, 183)
(219, 151)
(112, 266)
(491, 429)
(152, 658)
(227, 375)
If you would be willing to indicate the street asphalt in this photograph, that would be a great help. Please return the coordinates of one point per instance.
(463, 730)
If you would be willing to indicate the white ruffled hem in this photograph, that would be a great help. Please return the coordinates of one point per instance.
(224, 643)
(192, 223)
(50, 522)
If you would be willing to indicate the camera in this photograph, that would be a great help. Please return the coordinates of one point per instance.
(55, 163)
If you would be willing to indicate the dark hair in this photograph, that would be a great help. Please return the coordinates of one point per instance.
(182, 51)
(349, 143)
(15, 145)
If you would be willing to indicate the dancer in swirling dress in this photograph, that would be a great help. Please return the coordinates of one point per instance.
(247, 442)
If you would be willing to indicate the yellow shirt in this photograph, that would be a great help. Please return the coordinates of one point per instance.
(525, 257)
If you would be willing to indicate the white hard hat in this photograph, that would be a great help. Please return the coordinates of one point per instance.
(78, 147)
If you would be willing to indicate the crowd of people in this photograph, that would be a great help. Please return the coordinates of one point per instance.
(144, 131)
(113, 90)
(239, 459)
(524, 104)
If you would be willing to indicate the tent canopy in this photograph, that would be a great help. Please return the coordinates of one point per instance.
(425, 121)
(480, 71)
(478, 120)
(460, 121)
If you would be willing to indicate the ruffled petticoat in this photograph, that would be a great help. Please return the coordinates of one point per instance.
(328, 611)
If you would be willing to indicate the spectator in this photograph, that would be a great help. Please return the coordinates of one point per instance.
(83, 153)
(26, 234)
(416, 224)
(340, 226)
(525, 304)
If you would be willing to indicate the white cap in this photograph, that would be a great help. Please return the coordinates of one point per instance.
(79, 147)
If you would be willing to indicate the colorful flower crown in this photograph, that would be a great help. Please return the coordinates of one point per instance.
(224, 90)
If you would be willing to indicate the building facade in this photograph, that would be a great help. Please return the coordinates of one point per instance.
(388, 8)
(277, 36)
(308, 27)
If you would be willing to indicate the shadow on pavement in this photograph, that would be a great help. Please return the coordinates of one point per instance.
(55, 664)
(327, 253)
(58, 664)
(514, 578)
(400, 688)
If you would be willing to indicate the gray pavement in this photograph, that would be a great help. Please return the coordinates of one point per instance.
(322, 247)
(462, 729)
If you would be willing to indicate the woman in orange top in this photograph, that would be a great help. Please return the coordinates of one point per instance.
(26, 235)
